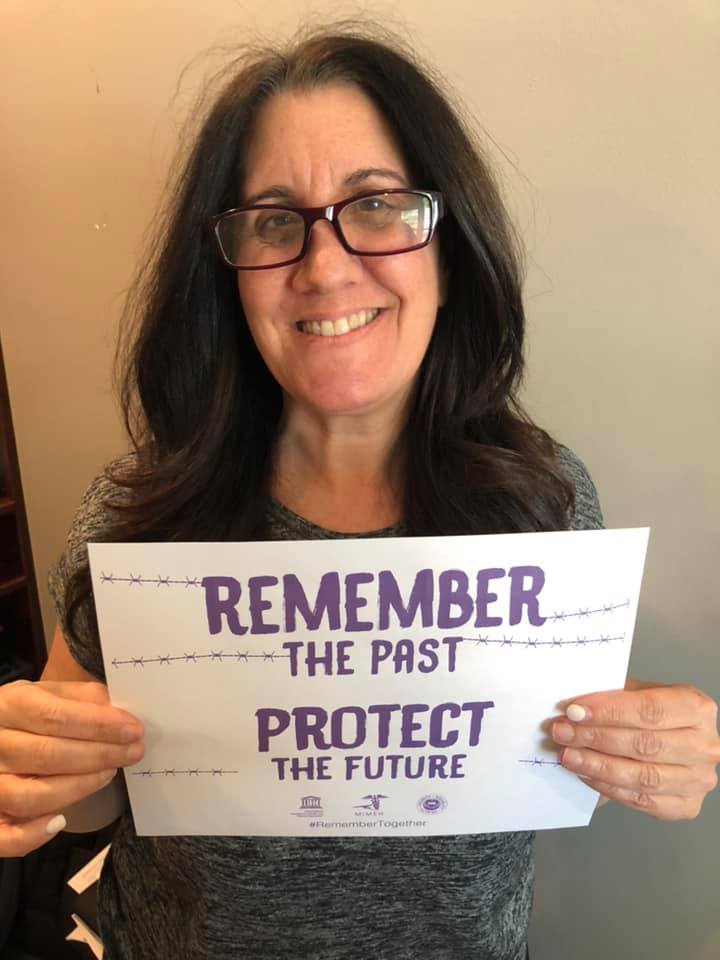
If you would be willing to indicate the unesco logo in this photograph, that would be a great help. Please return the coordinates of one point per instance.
(310, 807)
(432, 803)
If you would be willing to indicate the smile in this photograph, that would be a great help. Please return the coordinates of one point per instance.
(341, 326)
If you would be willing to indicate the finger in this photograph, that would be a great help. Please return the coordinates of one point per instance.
(651, 778)
(687, 746)
(28, 753)
(87, 690)
(659, 708)
(36, 709)
(19, 838)
(664, 807)
(28, 797)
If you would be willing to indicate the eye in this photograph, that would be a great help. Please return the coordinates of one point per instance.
(277, 227)
(277, 220)
(372, 205)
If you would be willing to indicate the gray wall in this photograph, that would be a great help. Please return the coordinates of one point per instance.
(606, 129)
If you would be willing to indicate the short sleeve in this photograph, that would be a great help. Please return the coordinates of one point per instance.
(587, 514)
(91, 522)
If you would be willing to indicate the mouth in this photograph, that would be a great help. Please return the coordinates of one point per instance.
(341, 326)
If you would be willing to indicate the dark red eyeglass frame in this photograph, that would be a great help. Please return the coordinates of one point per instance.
(329, 212)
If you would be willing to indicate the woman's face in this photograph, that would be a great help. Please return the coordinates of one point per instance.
(311, 149)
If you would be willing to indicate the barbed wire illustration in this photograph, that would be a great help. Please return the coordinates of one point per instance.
(221, 771)
(187, 581)
(558, 616)
(584, 612)
(173, 772)
(535, 642)
(139, 580)
(217, 655)
(537, 762)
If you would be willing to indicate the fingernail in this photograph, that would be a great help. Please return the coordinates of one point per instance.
(572, 758)
(576, 713)
(57, 824)
(108, 776)
(563, 732)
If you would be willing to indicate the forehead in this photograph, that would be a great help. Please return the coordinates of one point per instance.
(312, 140)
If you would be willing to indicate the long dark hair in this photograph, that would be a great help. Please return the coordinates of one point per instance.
(200, 406)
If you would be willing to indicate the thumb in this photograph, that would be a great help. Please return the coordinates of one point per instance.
(18, 837)
(91, 691)
(632, 684)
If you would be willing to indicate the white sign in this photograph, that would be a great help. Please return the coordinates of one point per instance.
(364, 686)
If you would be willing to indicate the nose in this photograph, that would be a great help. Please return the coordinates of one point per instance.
(326, 263)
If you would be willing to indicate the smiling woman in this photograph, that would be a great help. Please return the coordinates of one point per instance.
(361, 290)
(328, 342)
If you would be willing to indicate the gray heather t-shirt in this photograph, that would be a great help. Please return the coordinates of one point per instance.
(334, 898)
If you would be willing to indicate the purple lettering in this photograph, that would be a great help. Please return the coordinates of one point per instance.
(294, 647)
(336, 727)
(379, 650)
(384, 711)
(403, 656)
(476, 709)
(453, 592)
(434, 766)
(216, 605)
(266, 727)
(421, 595)
(353, 602)
(409, 724)
(426, 649)
(313, 659)
(521, 596)
(309, 723)
(311, 768)
(258, 604)
(484, 597)
(456, 765)
(437, 738)
(451, 643)
(327, 602)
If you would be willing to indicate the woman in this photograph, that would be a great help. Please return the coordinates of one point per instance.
(336, 355)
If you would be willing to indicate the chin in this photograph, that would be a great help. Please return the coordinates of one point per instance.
(347, 399)
(346, 404)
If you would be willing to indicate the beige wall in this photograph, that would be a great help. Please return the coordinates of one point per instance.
(607, 129)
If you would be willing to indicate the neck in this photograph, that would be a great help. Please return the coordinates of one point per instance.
(340, 471)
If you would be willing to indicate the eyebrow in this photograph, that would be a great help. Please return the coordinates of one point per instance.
(354, 179)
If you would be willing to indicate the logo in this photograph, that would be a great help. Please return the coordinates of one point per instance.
(370, 808)
(432, 803)
(309, 807)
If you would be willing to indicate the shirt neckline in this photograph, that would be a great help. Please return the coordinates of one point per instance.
(297, 520)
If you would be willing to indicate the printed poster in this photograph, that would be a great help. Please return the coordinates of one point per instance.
(362, 687)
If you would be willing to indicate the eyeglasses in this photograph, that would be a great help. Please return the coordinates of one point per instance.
(381, 224)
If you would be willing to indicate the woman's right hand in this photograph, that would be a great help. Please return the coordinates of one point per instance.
(59, 742)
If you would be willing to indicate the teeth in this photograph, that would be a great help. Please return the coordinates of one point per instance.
(336, 328)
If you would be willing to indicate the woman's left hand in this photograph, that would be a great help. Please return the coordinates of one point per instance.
(649, 747)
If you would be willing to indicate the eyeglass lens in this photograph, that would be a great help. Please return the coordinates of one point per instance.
(385, 223)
